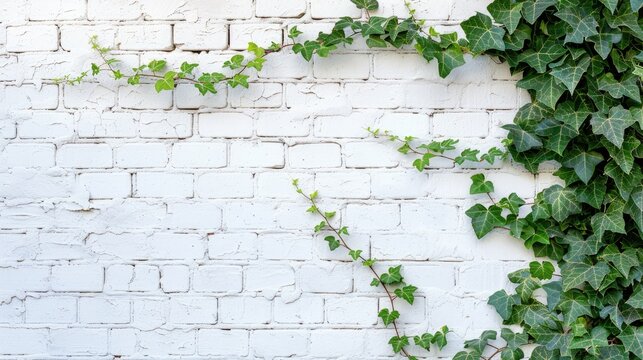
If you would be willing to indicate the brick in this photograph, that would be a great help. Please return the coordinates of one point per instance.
(410, 184)
(188, 97)
(103, 310)
(132, 278)
(31, 97)
(225, 185)
(141, 246)
(200, 36)
(92, 124)
(82, 278)
(285, 247)
(143, 97)
(286, 343)
(164, 185)
(11, 312)
(193, 310)
(171, 342)
(25, 341)
(84, 156)
(315, 156)
(244, 310)
(354, 185)
(326, 278)
(249, 215)
(223, 342)
(283, 124)
(322, 9)
(279, 184)
(175, 278)
(429, 216)
(475, 124)
(228, 125)
(351, 311)
(148, 37)
(32, 38)
(76, 37)
(217, 278)
(280, 8)
(113, 10)
(260, 34)
(166, 125)
(370, 155)
(228, 246)
(191, 215)
(149, 314)
(106, 185)
(199, 155)
(29, 155)
(257, 154)
(268, 277)
(373, 217)
(342, 66)
(336, 343)
(141, 155)
(56, 310)
(89, 96)
(48, 125)
(305, 310)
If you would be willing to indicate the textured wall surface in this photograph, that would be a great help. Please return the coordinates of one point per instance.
(136, 224)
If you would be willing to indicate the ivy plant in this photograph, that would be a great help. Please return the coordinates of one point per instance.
(580, 61)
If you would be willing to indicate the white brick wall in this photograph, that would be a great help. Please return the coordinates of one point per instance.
(135, 224)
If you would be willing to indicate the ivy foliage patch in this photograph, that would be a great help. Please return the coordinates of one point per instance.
(580, 61)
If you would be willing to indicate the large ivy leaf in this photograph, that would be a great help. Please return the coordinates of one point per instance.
(571, 72)
(622, 261)
(636, 300)
(563, 202)
(482, 35)
(507, 13)
(521, 139)
(572, 115)
(632, 338)
(366, 4)
(448, 58)
(584, 163)
(543, 56)
(624, 156)
(478, 345)
(636, 4)
(532, 9)
(503, 303)
(604, 41)
(593, 193)
(537, 315)
(554, 291)
(625, 183)
(551, 338)
(628, 20)
(541, 353)
(467, 355)
(576, 274)
(548, 89)
(591, 342)
(610, 4)
(634, 207)
(573, 306)
(612, 220)
(514, 340)
(627, 86)
(581, 25)
(485, 219)
(612, 126)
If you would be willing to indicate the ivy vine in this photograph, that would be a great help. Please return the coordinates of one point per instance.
(581, 63)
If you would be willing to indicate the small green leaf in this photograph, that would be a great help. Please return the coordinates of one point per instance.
(333, 243)
(407, 293)
(167, 83)
(480, 185)
(355, 254)
(543, 271)
(388, 317)
(482, 35)
(393, 276)
(398, 343)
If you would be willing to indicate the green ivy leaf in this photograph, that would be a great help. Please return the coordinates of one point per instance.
(485, 219)
(541, 353)
(584, 164)
(514, 340)
(467, 355)
(574, 305)
(333, 243)
(591, 343)
(398, 343)
(388, 316)
(506, 13)
(549, 51)
(608, 221)
(157, 65)
(623, 261)
(632, 338)
(482, 35)
(542, 271)
(548, 89)
(407, 293)
(355, 254)
(628, 86)
(423, 341)
(571, 72)
(521, 139)
(167, 83)
(503, 303)
(478, 345)
(612, 126)
(581, 25)
(307, 49)
(393, 276)
(576, 274)
(563, 202)
(479, 185)
(532, 9)
(366, 4)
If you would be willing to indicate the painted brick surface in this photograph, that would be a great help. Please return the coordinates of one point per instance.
(141, 225)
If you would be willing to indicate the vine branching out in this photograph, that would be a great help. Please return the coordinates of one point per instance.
(580, 61)
(392, 281)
